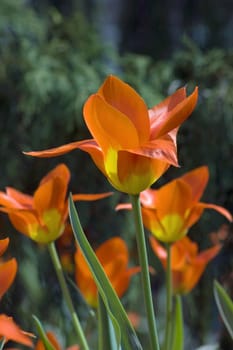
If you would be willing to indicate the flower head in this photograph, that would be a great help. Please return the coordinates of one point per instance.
(113, 256)
(171, 210)
(42, 216)
(131, 145)
(187, 263)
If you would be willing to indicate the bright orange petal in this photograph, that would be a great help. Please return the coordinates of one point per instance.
(158, 113)
(113, 247)
(197, 179)
(174, 117)
(8, 271)
(22, 221)
(10, 331)
(90, 197)
(109, 127)
(3, 245)
(125, 99)
(219, 209)
(209, 254)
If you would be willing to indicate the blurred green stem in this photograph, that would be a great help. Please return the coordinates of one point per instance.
(143, 259)
(66, 294)
(168, 329)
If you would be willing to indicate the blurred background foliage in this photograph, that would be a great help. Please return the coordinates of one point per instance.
(53, 55)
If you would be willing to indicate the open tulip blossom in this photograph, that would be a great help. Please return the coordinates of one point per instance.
(131, 145)
(42, 216)
(169, 212)
(187, 264)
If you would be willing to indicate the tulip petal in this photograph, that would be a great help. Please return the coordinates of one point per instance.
(90, 197)
(10, 331)
(8, 271)
(219, 209)
(125, 99)
(109, 127)
(197, 179)
(3, 245)
(172, 118)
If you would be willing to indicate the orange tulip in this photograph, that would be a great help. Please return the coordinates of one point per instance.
(131, 145)
(42, 216)
(7, 269)
(113, 256)
(171, 210)
(53, 340)
(186, 263)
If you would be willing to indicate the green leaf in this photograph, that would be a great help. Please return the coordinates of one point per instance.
(42, 334)
(177, 329)
(124, 332)
(225, 306)
(106, 334)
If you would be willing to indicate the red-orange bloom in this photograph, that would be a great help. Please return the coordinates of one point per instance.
(7, 269)
(10, 331)
(114, 257)
(186, 263)
(171, 210)
(42, 216)
(131, 145)
(53, 340)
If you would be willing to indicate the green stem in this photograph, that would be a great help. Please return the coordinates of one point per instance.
(143, 259)
(168, 328)
(66, 294)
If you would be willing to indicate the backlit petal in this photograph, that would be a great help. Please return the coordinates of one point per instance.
(175, 116)
(125, 99)
(197, 179)
(10, 331)
(3, 245)
(90, 197)
(110, 127)
(7, 275)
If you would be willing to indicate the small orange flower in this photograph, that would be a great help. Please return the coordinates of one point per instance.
(171, 210)
(113, 256)
(131, 145)
(42, 216)
(187, 264)
(53, 340)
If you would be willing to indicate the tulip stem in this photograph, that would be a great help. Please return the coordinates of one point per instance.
(143, 259)
(66, 294)
(168, 329)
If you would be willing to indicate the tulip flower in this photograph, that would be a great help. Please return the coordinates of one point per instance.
(187, 264)
(113, 256)
(170, 211)
(131, 145)
(42, 216)
(53, 340)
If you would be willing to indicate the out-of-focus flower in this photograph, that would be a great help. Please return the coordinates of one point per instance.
(187, 263)
(114, 257)
(53, 340)
(8, 269)
(171, 210)
(10, 331)
(42, 216)
(131, 145)
(8, 328)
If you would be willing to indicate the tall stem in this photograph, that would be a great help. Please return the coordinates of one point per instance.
(66, 294)
(168, 328)
(143, 259)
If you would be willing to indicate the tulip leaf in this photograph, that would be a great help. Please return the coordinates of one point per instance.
(42, 334)
(2, 343)
(106, 334)
(225, 306)
(124, 332)
(177, 329)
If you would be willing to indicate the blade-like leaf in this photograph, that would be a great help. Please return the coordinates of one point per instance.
(225, 306)
(42, 334)
(106, 334)
(124, 331)
(177, 329)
